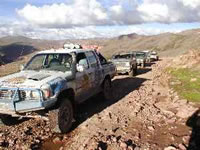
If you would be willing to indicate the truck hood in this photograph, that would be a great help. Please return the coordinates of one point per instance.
(140, 59)
(30, 79)
(121, 60)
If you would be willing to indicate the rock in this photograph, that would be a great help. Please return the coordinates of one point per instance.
(193, 80)
(57, 140)
(130, 148)
(123, 145)
(114, 139)
(172, 120)
(182, 147)
(137, 148)
(61, 148)
(186, 111)
(182, 101)
(151, 128)
(170, 148)
(186, 139)
(175, 83)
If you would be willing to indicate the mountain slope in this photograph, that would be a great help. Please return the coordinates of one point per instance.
(167, 44)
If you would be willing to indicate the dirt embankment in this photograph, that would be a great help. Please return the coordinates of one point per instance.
(143, 114)
(188, 60)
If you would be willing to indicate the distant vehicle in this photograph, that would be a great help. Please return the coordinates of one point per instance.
(148, 55)
(125, 63)
(154, 56)
(140, 58)
(55, 81)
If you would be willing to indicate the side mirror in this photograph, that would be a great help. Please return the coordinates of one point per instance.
(80, 68)
(21, 67)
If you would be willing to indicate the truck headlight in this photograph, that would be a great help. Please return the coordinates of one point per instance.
(127, 64)
(29, 95)
(35, 94)
(46, 91)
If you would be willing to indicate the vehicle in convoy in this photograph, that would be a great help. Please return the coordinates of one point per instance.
(55, 81)
(140, 58)
(125, 63)
(154, 56)
(147, 55)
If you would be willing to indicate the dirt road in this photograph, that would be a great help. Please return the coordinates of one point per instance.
(143, 114)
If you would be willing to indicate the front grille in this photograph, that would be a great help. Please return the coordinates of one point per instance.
(7, 94)
(22, 95)
(121, 64)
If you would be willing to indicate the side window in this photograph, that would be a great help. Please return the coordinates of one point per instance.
(82, 60)
(92, 59)
(53, 59)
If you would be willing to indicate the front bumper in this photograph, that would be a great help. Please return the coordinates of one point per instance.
(16, 104)
(154, 58)
(123, 69)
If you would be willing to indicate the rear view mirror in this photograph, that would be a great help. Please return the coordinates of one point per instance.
(80, 68)
(21, 67)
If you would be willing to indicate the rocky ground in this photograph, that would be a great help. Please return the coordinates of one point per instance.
(144, 114)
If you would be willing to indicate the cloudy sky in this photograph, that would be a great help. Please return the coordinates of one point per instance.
(64, 19)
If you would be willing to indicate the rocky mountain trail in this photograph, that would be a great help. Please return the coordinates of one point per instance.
(143, 114)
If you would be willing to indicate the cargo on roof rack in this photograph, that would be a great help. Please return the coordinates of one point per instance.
(72, 46)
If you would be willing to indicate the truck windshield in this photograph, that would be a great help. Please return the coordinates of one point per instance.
(53, 62)
(122, 56)
(140, 55)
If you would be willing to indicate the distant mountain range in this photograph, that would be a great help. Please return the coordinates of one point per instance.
(167, 44)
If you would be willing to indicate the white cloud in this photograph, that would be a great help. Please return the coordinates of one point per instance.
(191, 3)
(79, 13)
(153, 12)
(94, 12)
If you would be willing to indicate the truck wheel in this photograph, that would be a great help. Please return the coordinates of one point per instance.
(107, 89)
(8, 120)
(133, 72)
(61, 118)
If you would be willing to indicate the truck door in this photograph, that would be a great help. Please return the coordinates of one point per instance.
(83, 84)
(95, 72)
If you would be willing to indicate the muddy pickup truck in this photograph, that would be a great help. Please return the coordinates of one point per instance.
(125, 63)
(54, 82)
(140, 58)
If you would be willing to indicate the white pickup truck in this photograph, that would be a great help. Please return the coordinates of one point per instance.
(55, 81)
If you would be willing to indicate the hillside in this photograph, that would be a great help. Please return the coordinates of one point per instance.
(167, 44)
(14, 47)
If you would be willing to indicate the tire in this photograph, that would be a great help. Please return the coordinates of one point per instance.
(9, 120)
(133, 72)
(61, 119)
(107, 89)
